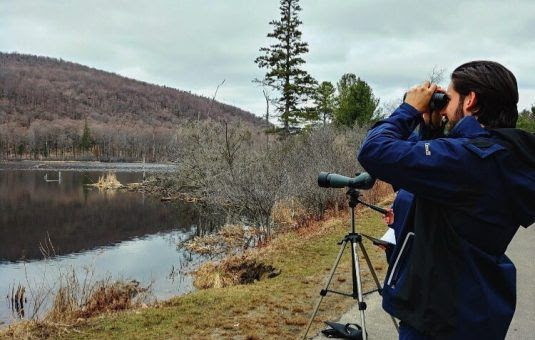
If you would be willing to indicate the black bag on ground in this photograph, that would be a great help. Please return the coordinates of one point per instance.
(347, 331)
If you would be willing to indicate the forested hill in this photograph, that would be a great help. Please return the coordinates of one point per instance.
(45, 102)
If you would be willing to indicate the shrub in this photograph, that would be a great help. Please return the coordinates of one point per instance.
(246, 174)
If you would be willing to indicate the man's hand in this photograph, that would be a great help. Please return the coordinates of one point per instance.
(419, 96)
(389, 217)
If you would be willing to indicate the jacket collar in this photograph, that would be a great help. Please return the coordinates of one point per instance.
(468, 127)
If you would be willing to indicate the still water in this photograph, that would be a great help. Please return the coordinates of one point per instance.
(50, 228)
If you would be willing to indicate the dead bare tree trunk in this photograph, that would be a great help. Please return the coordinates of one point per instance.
(266, 96)
(213, 98)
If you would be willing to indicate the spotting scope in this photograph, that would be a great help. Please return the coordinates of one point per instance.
(361, 181)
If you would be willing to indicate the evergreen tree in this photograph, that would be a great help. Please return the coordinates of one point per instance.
(21, 149)
(526, 120)
(356, 102)
(86, 142)
(283, 61)
(324, 100)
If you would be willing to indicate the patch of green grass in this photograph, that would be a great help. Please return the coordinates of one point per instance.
(271, 308)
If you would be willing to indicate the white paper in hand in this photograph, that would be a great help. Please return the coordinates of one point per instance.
(389, 236)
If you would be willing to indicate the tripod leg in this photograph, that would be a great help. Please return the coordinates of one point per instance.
(324, 290)
(359, 289)
(374, 274)
(372, 271)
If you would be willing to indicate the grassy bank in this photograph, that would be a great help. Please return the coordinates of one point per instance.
(272, 308)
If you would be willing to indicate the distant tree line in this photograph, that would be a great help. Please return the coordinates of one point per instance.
(45, 102)
(66, 139)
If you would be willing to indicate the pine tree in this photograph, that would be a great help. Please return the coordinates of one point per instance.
(86, 142)
(356, 101)
(324, 99)
(526, 120)
(283, 61)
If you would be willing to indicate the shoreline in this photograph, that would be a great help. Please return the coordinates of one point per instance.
(281, 304)
(25, 165)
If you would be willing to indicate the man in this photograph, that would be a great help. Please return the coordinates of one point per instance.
(462, 198)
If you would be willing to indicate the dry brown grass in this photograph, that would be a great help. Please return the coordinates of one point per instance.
(36, 330)
(232, 271)
(103, 297)
(74, 303)
(108, 181)
(288, 213)
(230, 239)
(245, 268)
(381, 193)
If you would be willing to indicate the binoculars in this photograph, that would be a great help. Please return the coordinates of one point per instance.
(437, 102)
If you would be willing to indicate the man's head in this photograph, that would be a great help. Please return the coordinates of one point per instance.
(486, 90)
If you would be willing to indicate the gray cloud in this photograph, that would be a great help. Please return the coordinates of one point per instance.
(194, 45)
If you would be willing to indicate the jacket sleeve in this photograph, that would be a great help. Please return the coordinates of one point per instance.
(436, 169)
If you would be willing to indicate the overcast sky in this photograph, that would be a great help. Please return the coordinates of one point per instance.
(194, 45)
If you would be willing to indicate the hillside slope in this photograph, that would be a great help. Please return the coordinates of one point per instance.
(44, 103)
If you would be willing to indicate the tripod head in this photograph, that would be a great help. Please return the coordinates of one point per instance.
(353, 199)
(361, 181)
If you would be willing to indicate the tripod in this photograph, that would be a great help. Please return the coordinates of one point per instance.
(353, 238)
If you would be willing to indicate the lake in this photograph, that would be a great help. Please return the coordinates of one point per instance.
(50, 227)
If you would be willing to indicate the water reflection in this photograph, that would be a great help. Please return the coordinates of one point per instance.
(76, 218)
(116, 233)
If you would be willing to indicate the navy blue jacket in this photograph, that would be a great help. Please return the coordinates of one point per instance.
(463, 198)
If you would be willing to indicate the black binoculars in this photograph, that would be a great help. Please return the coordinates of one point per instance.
(437, 102)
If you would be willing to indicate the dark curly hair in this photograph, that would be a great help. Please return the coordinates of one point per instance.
(496, 92)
